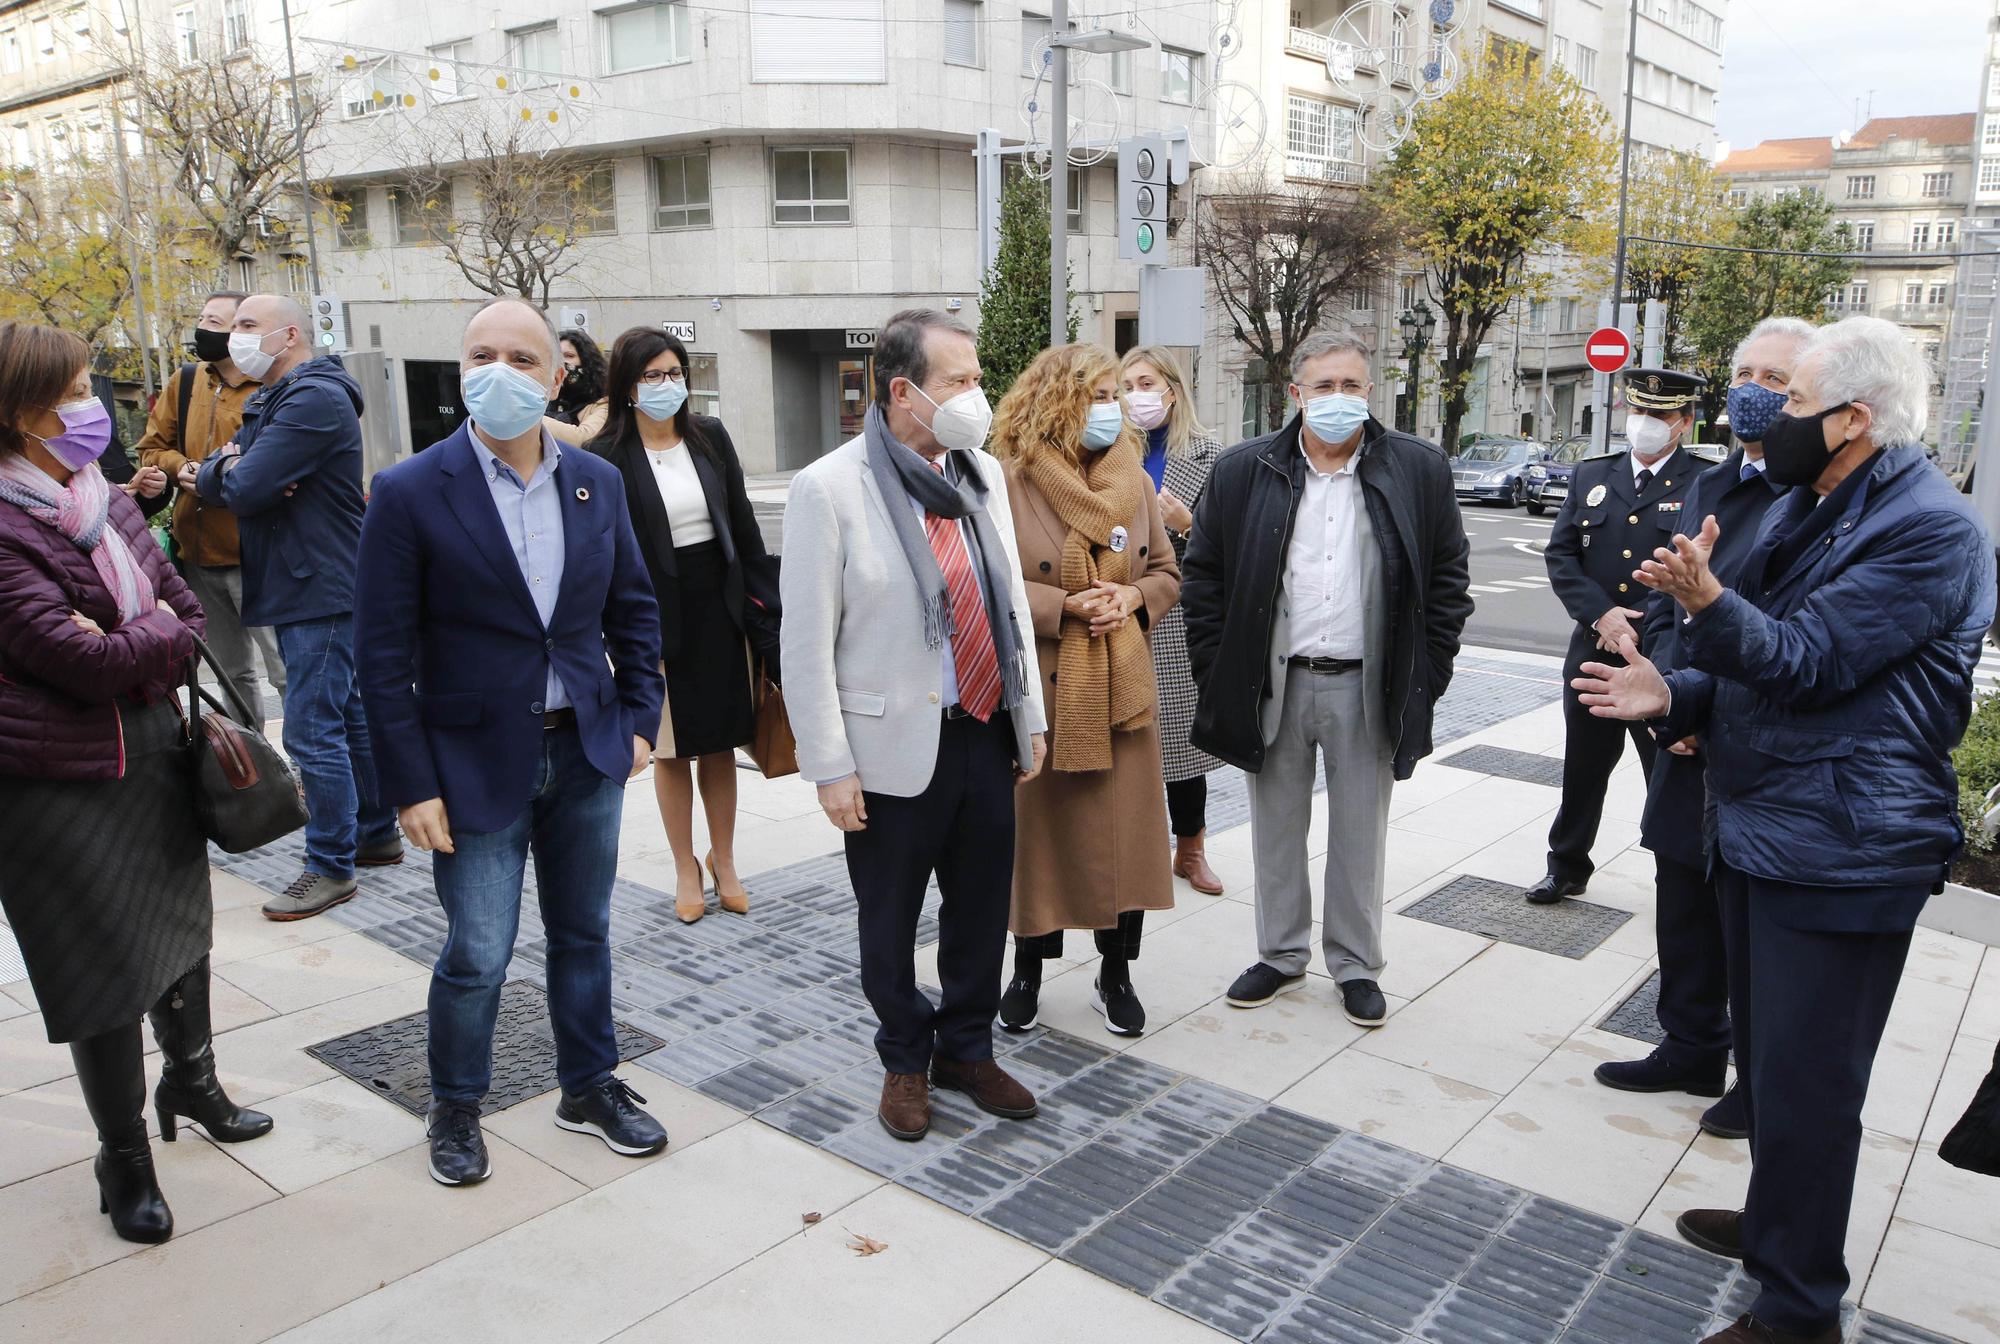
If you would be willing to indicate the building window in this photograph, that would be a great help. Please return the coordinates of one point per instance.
(535, 54)
(1993, 84)
(1538, 316)
(1989, 170)
(419, 215)
(1863, 234)
(1566, 315)
(448, 75)
(646, 36)
(1937, 186)
(1034, 29)
(809, 186)
(595, 190)
(1947, 234)
(235, 25)
(963, 23)
(246, 274)
(1408, 288)
(187, 39)
(1179, 70)
(45, 39)
(1857, 296)
(1861, 187)
(1559, 53)
(1010, 172)
(1400, 50)
(349, 212)
(1739, 196)
(1120, 78)
(1586, 66)
(1319, 140)
(703, 388)
(10, 52)
(371, 88)
(818, 41)
(1935, 297)
(1913, 292)
(1920, 237)
(1989, 132)
(680, 192)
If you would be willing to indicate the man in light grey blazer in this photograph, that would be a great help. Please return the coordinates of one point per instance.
(906, 676)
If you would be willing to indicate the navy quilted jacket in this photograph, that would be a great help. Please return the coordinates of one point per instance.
(1830, 691)
(58, 682)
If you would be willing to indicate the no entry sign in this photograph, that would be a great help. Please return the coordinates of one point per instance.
(1608, 350)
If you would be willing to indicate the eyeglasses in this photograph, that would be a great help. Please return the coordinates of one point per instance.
(655, 377)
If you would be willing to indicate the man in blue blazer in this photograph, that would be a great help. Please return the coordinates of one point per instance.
(508, 647)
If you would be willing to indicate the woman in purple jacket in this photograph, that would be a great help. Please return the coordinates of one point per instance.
(103, 870)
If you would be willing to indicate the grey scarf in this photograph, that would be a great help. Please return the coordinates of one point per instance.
(901, 473)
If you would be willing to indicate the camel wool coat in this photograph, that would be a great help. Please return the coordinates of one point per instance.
(1089, 846)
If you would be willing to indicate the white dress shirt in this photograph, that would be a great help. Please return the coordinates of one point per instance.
(1323, 565)
(680, 490)
(1632, 461)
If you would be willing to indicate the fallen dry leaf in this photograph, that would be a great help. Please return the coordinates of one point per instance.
(810, 1219)
(861, 1245)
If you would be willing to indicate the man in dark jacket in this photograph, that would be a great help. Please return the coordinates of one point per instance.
(1620, 507)
(1694, 983)
(293, 480)
(1325, 586)
(1829, 690)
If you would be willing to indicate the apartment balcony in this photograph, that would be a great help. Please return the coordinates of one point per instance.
(1308, 168)
(1916, 314)
(1305, 42)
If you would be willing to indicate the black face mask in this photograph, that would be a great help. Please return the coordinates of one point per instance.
(211, 346)
(1795, 451)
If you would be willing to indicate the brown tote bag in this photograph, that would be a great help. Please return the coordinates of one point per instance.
(772, 745)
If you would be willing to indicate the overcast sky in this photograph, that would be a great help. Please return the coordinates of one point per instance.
(1796, 67)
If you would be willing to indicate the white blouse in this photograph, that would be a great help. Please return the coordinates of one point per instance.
(680, 490)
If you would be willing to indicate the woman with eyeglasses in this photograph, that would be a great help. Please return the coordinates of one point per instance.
(718, 594)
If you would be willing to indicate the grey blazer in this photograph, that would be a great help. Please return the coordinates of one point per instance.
(863, 691)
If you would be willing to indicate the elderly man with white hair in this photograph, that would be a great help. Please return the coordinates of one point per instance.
(1693, 1056)
(1829, 688)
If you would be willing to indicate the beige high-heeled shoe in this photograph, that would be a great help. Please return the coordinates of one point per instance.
(735, 902)
(688, 909)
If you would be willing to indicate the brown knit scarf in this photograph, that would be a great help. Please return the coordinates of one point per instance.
(1102, 684)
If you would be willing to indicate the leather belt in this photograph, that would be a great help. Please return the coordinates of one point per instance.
(1325, 666)
(957, 712)
(558, 718)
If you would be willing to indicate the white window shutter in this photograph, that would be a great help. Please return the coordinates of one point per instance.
(818, 42)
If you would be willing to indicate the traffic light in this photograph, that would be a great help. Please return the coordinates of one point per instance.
(1142, 200)
(329, 324)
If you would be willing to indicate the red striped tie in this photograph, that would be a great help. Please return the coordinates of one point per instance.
(971, 637)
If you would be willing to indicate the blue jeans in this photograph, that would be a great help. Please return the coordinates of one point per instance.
(328, 741)
(571, 827)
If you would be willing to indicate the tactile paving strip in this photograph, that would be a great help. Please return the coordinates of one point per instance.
(1491, 909)
(1256, 1220)
(391, 1059)
(1639, 1016)
(1507, 763)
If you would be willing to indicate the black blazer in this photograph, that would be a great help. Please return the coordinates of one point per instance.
(750, 588)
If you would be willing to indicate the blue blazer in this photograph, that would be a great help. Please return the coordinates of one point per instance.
(453, 659)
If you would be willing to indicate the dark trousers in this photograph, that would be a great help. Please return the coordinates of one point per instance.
(1120, 940)
(1808, 1008)
(570, 827)
(1187, 805)
(1694, 977)
(961, 827)
(1591, 748)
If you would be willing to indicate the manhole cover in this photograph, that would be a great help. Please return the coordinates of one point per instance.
(392, 1059)
(1507, 763)
(1639, 1016)
(1491, 909)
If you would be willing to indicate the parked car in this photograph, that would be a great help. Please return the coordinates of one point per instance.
(1548, 481)
(1495, 470)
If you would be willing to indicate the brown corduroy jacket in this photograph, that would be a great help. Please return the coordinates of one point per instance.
(206, 534)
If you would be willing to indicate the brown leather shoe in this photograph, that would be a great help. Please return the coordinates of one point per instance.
(906, 1106)
(991, 1087)
(1191, 863)
(1717, 1231)
(1750, 1330)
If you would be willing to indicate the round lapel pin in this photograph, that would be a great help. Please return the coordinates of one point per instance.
(582, 495)
(1118, 535)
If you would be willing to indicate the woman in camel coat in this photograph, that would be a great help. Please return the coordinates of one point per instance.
(1091, 848)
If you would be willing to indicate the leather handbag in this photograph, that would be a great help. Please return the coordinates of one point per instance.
(245, 793)
(772, 745)
(1974, 1142)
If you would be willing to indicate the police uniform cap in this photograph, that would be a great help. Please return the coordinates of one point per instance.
(1662, 389)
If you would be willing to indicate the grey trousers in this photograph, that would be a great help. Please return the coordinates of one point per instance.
(1322, 715)
(219, 589)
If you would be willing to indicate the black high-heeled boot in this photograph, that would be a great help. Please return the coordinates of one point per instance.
(188, 1085)
(112, 1072)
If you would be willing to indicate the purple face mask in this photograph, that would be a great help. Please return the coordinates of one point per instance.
(86, 433)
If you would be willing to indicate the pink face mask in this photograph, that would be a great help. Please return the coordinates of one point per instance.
(1148, 409)
(86, 433)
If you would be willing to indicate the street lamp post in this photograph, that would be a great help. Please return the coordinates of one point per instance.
(1418, 323)
(1061, 43)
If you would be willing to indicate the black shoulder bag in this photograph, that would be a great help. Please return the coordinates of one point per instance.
(245, 793)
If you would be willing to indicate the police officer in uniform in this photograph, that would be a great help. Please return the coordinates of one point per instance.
(1620, 508)
(1694, 980)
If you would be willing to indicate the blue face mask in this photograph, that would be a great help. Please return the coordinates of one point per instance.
(504, 402)
(661, 401)
(1101, 430)
(1751, 410)
(1335, 417)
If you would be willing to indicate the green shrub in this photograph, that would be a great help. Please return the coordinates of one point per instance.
(1978, 763)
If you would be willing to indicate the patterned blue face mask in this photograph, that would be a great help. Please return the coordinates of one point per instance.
(1751, 410)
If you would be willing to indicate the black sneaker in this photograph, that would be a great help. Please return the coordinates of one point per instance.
(1021, 1005)
(1124, 1015)
(458, 1149)
(606, 1110)
(1363, 1003)
(1260, 984)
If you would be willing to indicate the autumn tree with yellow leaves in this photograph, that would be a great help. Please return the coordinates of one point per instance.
(1680, 199)
(1510, 169)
